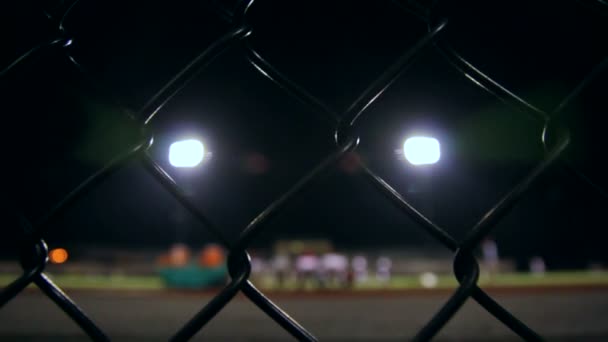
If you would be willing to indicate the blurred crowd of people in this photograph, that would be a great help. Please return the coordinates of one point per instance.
(330, 269)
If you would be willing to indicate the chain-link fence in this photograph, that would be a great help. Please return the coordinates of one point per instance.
(436, 17)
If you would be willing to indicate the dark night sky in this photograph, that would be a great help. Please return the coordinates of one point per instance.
(61, 125)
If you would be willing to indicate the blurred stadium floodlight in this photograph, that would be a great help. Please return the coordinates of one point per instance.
(421, 150)
(186, 153)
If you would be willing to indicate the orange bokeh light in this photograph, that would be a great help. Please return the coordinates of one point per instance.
(58, 255)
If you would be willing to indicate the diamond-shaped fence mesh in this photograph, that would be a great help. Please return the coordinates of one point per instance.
(237, 34)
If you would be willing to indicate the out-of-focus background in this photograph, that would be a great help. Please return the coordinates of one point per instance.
(340, 257)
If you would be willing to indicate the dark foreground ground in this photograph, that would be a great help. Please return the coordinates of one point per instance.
(564, 315)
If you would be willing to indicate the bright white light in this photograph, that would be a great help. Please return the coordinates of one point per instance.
(186, 153)
(429, 280)
(421, 150)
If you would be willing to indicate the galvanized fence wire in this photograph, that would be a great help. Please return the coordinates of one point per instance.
(34, 252)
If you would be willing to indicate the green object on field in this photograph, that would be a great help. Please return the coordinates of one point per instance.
(193, 276)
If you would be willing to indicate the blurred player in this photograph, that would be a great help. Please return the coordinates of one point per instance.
(359, 267)
(308, 269)
(383, 269)
(281, 266)
(335, 268)
(537, 266)
(489, 251)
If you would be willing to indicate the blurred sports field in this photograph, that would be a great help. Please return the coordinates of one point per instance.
(399, 282)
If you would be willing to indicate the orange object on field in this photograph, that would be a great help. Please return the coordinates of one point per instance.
(58, 255)
(212, 256)
(163, 260)
(179, 255)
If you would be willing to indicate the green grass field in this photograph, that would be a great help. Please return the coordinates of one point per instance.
(551, 279)
(501, 280)
(78, 281)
